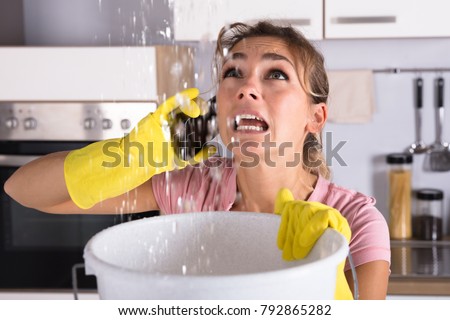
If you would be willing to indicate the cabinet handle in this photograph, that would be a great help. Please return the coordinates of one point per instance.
(373, 19)
(293, 22)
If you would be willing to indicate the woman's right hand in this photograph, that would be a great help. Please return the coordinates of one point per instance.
(109, 168)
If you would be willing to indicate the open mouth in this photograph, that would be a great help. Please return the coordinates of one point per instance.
(249, 122)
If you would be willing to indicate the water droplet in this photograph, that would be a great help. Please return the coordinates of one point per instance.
(225, 52)
(134, 19)
(176, 70)
(174, 227)
(143, 38)
(215, 173)
(179, 203)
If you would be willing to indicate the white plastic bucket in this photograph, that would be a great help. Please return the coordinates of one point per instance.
(209, 255)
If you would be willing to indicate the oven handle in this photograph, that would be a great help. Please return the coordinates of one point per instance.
(15, 160)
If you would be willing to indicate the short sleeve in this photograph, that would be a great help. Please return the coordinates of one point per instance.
(370, 237)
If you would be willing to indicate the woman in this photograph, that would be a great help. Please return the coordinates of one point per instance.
(271, 96)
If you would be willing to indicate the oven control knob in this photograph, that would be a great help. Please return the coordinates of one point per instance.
(30, 123)
(125, 124)
(89, 123)
(106, 124)
(12, 123)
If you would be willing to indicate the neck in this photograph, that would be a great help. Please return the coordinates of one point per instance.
(259, 186)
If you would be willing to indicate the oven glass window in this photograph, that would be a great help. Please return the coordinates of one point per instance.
(38, 250)
(25, 228)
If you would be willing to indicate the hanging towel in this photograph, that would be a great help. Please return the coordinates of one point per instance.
(351, 98)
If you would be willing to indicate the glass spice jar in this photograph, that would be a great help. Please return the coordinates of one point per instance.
(400, 221)
(428, 214)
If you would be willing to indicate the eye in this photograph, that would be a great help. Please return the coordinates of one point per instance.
(231, 73)
(277, 75)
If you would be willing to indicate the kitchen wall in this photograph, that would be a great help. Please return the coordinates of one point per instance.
(140, 22)
(392, 126)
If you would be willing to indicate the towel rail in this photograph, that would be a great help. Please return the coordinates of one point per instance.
(414, 70)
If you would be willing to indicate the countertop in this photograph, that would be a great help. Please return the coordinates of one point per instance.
(420, 267)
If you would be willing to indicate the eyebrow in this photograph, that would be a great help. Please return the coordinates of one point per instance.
(266, 56)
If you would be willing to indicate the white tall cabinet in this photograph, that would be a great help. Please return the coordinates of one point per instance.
(197, 20)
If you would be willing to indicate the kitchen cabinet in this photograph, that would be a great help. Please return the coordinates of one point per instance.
(94, 73)
(386, 19)
(196, 20)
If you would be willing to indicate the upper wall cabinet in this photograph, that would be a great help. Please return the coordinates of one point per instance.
(196, 20)
(386, 19)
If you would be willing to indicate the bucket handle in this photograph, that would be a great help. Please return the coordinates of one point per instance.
(355, 278)
(75, 268)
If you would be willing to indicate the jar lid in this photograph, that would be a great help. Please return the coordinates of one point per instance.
(430, 194)
(399, 158)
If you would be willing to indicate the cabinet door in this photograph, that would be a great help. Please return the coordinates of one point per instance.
(196, 20)
(386, 19)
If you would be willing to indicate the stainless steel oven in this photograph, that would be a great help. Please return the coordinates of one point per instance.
(38, 250)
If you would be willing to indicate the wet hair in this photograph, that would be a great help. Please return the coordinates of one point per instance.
(310, 65)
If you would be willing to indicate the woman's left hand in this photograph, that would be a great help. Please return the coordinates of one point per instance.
(302, 224)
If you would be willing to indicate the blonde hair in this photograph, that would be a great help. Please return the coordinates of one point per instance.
(313, 79)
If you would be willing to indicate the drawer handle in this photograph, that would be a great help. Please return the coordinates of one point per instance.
(293, 22)
(354, 20)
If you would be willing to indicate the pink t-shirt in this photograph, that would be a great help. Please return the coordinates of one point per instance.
(212, 187)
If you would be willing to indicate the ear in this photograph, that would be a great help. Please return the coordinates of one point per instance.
(319, 113)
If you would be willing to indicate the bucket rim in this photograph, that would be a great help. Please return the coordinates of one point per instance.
(92, 260)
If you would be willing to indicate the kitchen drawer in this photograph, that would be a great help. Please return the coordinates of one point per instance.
(346, 19)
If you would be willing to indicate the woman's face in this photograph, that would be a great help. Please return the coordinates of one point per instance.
(260, 99)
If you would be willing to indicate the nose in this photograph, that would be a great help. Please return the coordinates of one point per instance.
(248, 91)
(242, 95)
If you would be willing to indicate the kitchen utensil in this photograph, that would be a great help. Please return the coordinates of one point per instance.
(209, 255)
(190, 135)
(439, 156)
(418, 146)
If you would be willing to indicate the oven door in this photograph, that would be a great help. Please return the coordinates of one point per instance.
(38, 250)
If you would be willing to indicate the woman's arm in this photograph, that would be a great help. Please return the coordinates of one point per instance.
(373, 280)
(40, 184)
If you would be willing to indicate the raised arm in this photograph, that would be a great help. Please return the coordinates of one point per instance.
(111, 175)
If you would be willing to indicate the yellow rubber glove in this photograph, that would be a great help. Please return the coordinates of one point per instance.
(302, 224)
(109, 168)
